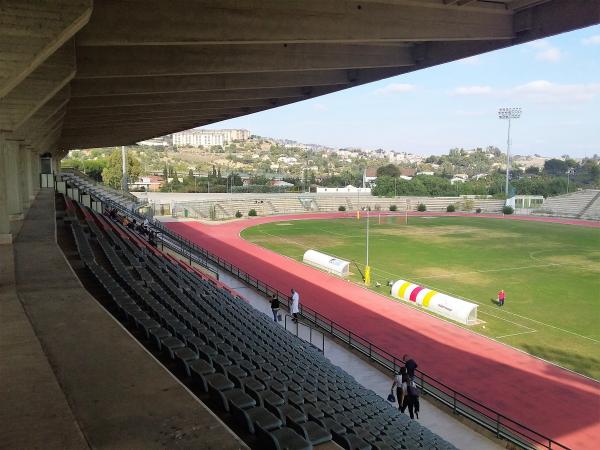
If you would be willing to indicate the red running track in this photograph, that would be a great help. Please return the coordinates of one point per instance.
(552, 401)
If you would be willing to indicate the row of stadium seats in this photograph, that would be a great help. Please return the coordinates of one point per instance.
(584, 204)
(292, 204)
(277, 387)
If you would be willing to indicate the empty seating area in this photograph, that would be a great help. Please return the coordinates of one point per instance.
(580, 204)
(592, 211)
(277, 389)
(270, 204)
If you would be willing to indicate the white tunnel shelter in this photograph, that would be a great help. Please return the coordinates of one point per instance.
(451, 307)
(326, 262)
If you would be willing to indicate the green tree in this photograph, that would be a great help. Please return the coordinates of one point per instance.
(555, 167)
(112, 173)
(390, 170)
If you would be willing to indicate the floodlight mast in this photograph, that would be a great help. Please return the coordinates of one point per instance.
(124, 183)
(508, 114)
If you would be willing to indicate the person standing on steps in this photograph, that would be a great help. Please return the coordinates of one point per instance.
(295, 308)
(274, 306)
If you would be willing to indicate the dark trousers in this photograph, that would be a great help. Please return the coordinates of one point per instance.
(401, 406)
(295, 315)
(275, 311)
(413, 406)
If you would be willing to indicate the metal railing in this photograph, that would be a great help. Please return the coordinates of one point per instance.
(461, 404)
(310, 332)
(126, 195)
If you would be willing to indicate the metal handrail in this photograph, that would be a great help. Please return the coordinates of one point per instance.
(461, 404)
(89, 179)
(310, 339)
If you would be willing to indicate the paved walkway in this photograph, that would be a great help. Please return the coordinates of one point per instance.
(73, 377)
(548, 399)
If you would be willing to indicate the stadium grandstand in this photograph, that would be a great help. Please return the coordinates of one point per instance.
(114, 335)
(583, 204)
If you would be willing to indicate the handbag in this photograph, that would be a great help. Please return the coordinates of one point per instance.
(391, 398)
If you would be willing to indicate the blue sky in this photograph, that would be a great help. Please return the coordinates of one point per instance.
(556, 81)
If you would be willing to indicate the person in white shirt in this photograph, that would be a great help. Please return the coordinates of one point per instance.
(401, 385)
(295, 309)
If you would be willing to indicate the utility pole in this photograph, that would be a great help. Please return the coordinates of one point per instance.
(367, 267)
(124, 166)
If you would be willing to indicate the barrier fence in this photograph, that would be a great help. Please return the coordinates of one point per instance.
(461, 404)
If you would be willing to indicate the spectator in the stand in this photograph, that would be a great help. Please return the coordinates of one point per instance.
(152, 238)
(132, 225)
(274, 306)
(410, 365)
(295, 309)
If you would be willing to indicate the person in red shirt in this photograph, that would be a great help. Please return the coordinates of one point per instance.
(501, 297)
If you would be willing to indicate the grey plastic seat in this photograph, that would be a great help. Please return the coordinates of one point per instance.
(231, 397)
(282, 439)
(171, 343)
(289, 413)
(350, 441)
(186, 356)
(256, 416)
(237, 375)
(311, 431)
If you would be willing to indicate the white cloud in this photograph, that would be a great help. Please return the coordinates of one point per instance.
(550, 55)
(471, 60)
(466, 113)
(592, 40)
(546, 51)
(396, 88)
(472, 90)
(546, 91)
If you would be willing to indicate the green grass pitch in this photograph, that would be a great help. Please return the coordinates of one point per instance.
(550, 272)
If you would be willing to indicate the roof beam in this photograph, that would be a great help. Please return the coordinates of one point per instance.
(183, 98)
(135, 121)
(39, 87)
(220, 82)
(215, 22)
(145, 61)
(56, 103)
(128, 111)
(31, 31)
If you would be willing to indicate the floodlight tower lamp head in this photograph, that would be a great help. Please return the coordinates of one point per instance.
(509, 113)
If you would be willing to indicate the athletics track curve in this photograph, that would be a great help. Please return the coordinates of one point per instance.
(550, 400)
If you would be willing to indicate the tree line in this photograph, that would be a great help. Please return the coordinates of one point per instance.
(554, 179)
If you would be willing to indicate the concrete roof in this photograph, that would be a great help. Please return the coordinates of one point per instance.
(79, 74)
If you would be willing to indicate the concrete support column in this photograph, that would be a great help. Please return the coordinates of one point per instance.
(35, 172)
(5, 236)
(24, 176)
(11, 157)
(29, 174)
